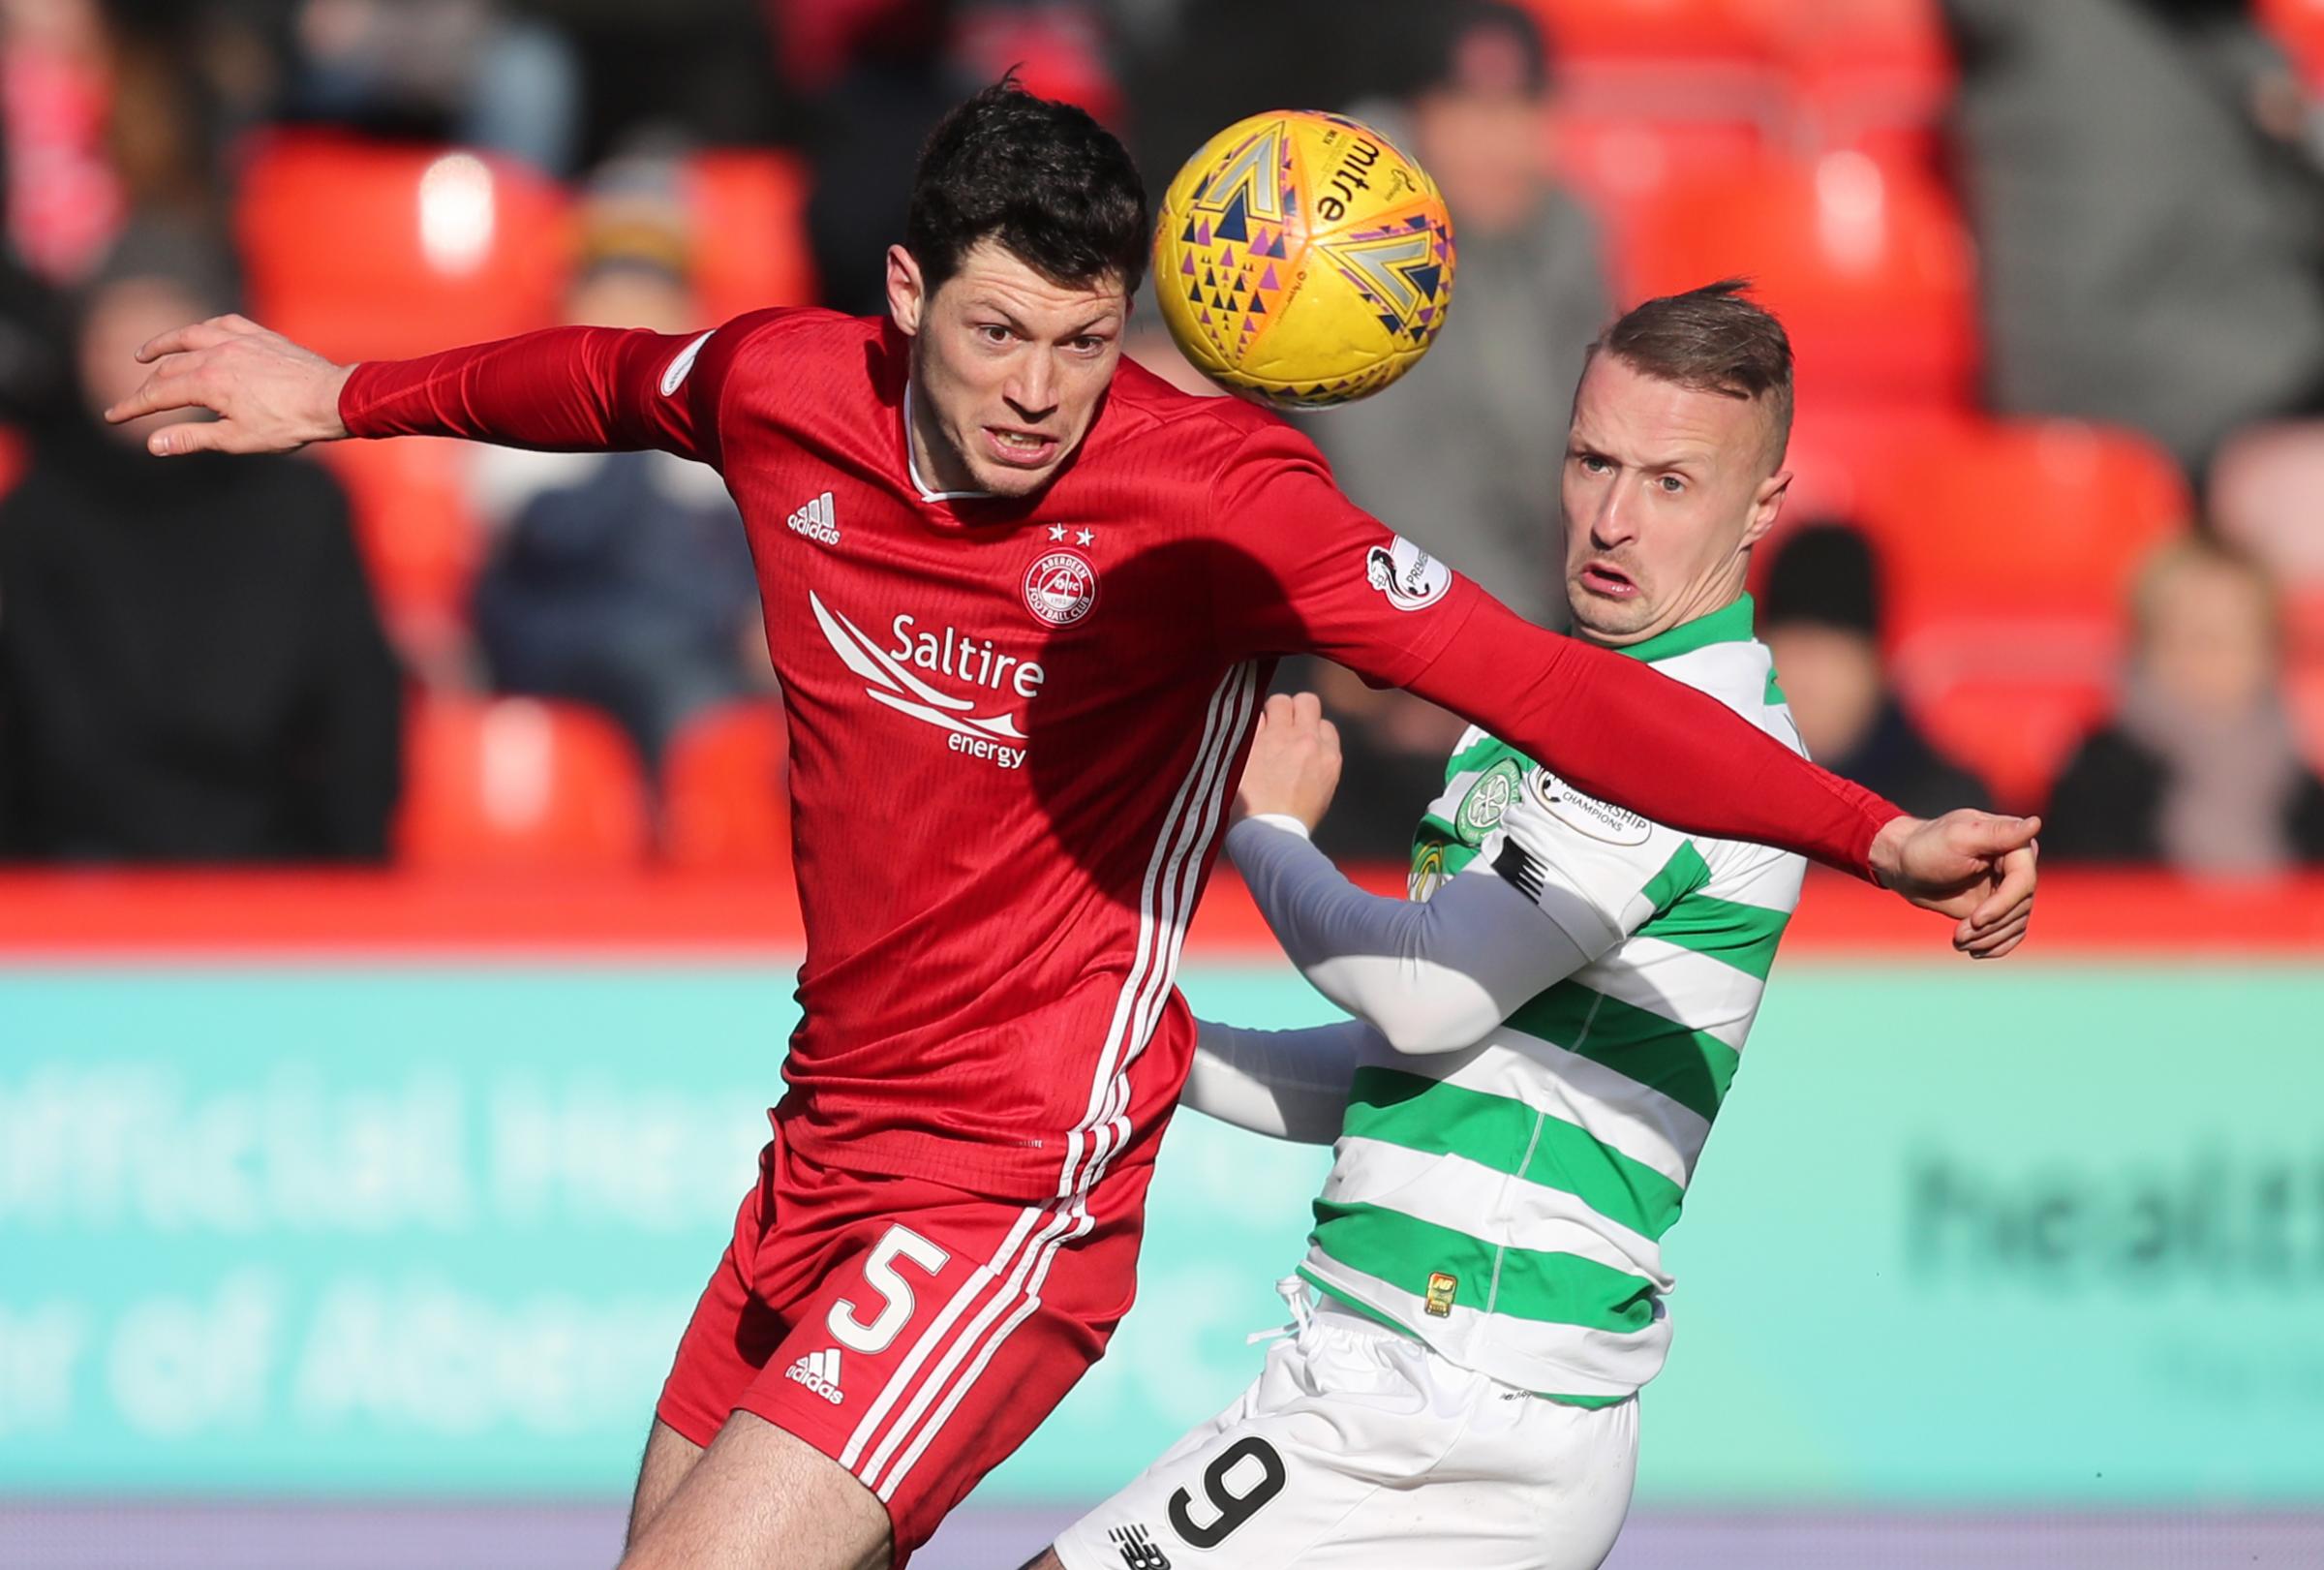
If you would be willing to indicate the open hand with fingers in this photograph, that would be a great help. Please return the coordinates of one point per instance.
(269, 395)
(1978, 867)
(1294, 766)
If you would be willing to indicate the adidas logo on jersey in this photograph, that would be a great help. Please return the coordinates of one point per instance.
(817, 521)
(819, 1372)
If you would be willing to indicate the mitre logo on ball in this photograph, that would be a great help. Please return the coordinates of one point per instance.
(1303, 260)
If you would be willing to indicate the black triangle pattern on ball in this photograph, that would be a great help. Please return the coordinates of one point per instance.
(1236, 223)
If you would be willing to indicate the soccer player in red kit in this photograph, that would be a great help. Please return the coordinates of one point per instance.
(1023, 600)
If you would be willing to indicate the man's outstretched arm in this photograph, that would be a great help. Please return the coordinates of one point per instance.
(1622, 731)
(1288, 1085)
(1302, 567)
(564, 388)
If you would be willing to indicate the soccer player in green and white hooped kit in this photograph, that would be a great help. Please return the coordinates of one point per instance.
(1542, 1034)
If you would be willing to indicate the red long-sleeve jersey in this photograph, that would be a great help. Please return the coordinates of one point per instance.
(1015, 724)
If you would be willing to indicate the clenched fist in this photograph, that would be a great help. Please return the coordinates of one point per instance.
(1294, 766)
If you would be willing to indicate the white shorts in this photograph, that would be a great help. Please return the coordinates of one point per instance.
(1359, 1448)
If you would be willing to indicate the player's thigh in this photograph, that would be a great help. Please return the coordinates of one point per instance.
(759, 1497)
(925, 1357)
(1529, 1484)
(1356, 1449)
(1259, 1493)
(669, 1456)
(1264, 1482)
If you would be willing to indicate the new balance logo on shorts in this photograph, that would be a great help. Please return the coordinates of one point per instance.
(818, 520)
(819, 1372)
(1137, 1550)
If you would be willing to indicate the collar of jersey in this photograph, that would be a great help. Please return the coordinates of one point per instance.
(912, 468)
(1729, 624)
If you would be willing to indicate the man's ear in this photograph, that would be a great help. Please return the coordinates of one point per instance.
(907, 291)
(1766, 505)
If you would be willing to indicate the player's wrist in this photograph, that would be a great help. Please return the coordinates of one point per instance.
(331, 421)
(1885, 860)
(1290, 822)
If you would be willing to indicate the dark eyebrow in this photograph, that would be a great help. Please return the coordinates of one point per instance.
(1004, 313)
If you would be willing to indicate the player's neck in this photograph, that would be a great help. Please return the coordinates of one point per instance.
(1698, 610)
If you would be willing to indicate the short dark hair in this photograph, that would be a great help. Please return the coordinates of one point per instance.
(1057, 188)
(1452, 56)
(1712, 339)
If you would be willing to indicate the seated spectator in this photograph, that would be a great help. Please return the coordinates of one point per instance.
(2200, 769)
(2150, 219)
(1821, 620)
(64, 194)
(2265, 492)
(1455, 456)
(191, 665)
(623, 580)
(473, 70)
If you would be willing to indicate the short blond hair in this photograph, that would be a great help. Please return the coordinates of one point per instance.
(2193, 551)
(1712, 339)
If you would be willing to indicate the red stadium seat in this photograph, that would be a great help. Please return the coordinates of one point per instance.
(749, 210)
(2010, 696)
(2007, 554)
(418, 536)
(2303, 658)
(1836, 447)
(1648, 88)
(1873, 75)
(1869, 264)
(1586, 32)
(724, 803)
(514, 784)
(2305, 692)
(15, 454)
(2299, 26)
(2041, 517)
(1621, 164)
(370, 251)
(1865, 74)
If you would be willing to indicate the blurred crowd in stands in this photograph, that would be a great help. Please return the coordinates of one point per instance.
(2054, 272)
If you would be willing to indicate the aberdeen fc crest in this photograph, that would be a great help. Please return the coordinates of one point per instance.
(1062, 587)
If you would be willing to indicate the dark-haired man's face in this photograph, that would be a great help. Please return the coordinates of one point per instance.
(1008, 367)
(1666, 489)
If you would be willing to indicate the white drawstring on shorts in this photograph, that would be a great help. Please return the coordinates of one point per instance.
(1292, 1290)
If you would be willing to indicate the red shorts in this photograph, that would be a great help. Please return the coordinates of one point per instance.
(915, 1334)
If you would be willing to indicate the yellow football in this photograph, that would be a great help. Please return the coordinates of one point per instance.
(1302, 259)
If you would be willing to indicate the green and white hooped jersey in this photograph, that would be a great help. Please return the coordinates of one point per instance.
(1506, 1203)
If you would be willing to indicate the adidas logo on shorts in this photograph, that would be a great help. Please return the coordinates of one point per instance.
(819, 1372)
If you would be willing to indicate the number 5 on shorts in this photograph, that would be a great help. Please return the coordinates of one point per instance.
(879, 1270)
